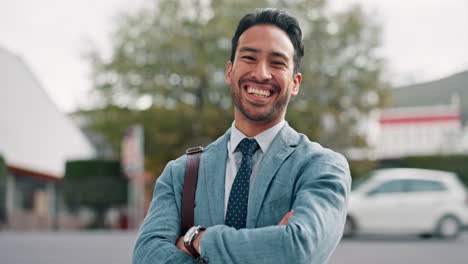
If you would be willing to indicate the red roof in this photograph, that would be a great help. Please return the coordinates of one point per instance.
(419, 119)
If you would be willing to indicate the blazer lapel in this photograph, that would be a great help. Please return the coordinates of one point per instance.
(281, 147)
(213, 169)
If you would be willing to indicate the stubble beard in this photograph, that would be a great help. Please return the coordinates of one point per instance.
(276, 110)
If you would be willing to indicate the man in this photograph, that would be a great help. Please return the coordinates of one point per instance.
(265, 193)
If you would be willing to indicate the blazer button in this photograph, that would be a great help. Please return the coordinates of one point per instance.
(205, 260)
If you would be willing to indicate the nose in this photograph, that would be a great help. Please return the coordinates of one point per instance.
(261, 72)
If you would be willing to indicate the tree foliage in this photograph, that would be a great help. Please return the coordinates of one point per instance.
(97, 184)
(166, 71)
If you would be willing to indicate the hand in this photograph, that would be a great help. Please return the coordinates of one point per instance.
(196, 242)
(286, 217)
(180, 245)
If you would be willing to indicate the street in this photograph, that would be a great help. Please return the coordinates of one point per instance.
(116, 248)
(402, 250)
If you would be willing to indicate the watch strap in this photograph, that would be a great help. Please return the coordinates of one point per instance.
(189, 245)
(191, 249)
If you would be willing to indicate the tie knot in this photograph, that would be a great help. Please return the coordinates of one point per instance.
(248, 146)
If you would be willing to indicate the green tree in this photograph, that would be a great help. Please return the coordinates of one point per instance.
(97, 184)
(169, 59)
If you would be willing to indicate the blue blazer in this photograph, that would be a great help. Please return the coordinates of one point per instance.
(295, 174)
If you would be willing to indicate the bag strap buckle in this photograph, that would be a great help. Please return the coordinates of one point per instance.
(194, 150)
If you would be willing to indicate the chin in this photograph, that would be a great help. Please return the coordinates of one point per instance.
(265, 117)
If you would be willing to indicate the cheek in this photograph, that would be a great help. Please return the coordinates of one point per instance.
(284, 82)
(241, 70)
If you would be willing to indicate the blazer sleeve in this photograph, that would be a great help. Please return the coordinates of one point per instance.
(312, 233)
(157, 237)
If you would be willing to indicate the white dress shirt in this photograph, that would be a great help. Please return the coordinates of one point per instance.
(234, 158)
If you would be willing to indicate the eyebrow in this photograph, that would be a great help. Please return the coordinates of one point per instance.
(281, 55)
(248, 49)
(274, 53)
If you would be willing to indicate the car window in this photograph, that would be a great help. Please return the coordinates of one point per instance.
(426, 186)
(392, 186)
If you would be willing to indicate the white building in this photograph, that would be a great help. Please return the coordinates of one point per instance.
(411, 131)
(424, 119)
(36, 140)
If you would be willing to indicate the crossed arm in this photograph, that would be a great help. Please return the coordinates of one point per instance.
(196, 242)
(307, 236)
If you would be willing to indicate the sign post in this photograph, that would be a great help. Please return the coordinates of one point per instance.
(133, 166)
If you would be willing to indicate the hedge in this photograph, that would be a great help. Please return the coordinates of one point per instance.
(454, 163)
(99, 184)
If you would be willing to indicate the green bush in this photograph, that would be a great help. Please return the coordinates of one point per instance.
(97, 184)
(360, 168)
(453, 163)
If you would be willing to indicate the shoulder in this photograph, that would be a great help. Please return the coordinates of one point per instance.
(219, 143)
(315, 152)
(178, 165)
(309, 150)
(308, 153)
(317, 163)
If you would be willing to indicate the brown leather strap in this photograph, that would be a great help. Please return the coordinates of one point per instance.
(189, 244)
(190, 185)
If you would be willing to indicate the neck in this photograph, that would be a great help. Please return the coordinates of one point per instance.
(252, 128)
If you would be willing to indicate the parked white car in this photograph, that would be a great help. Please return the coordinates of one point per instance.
(408, 201)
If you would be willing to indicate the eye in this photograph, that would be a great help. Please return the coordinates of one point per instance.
(248, 58)
(278, 63)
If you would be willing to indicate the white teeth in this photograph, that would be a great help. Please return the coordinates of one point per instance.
(258, 92)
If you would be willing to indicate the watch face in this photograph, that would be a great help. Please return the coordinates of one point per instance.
(190, 233)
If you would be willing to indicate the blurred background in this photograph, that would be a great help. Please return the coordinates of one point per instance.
(96, 98)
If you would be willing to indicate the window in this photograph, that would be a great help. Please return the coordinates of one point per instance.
(426, 186)
(392, 186)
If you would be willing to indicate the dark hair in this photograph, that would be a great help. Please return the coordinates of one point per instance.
(275, 17)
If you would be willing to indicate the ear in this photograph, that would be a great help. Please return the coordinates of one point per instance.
(227, 77)
(297, 80)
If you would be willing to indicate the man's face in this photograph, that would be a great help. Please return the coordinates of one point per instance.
(261, 76)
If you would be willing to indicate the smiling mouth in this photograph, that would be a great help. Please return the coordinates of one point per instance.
(257, 92)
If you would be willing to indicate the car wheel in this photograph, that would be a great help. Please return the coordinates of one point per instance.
(349, 227)
(448, 227)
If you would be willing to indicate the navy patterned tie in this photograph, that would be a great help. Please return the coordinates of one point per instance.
(236, 214)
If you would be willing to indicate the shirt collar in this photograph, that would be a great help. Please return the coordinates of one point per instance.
(263, 139)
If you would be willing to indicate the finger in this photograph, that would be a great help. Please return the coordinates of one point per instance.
(286, 217)
(180, 245)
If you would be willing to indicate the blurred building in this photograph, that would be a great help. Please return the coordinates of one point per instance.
(410, 131)
(424, 119)
(36, 140)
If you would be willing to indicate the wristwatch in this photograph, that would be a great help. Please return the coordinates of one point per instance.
(190, 236)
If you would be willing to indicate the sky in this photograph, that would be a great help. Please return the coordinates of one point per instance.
(422, 40)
